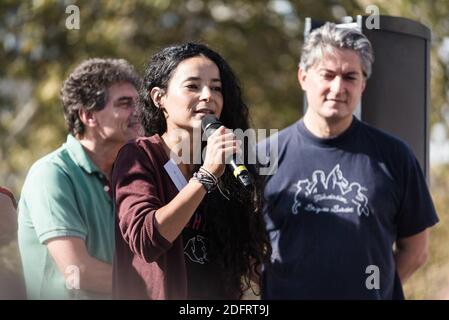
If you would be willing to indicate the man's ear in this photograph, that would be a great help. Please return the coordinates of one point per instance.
(363, 84)
(157, 95)
(302, 77)
(87, 117)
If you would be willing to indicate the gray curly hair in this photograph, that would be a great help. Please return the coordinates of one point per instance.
(87, 87)
(329, 37)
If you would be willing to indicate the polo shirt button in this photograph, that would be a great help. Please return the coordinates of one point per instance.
(106, 188)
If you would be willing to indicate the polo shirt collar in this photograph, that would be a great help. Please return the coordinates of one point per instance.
(78, 155)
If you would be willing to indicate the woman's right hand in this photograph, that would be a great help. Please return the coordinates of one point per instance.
(221, 145)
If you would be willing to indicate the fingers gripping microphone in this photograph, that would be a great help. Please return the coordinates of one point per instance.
(209, 124)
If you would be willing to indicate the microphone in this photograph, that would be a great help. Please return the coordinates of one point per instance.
(209, 124)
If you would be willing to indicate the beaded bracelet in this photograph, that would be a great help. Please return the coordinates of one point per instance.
(209, 181)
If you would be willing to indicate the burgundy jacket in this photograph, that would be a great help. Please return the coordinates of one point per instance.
(146, 265)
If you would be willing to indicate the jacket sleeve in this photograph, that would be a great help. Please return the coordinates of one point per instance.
(137, 198)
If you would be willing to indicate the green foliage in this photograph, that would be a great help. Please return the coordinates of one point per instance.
(261, 41)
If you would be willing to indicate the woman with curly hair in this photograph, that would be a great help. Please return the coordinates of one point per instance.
(179, 236)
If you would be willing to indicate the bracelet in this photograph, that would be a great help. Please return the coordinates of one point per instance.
(206, 178)
(209, 181)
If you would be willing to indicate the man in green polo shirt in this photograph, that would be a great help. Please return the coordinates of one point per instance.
(66, 215)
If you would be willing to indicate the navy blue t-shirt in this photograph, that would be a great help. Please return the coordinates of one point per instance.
(334, 209)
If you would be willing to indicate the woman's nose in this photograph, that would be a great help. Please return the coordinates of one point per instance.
(205, 93)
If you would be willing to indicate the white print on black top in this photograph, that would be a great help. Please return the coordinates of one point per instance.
(196, 223)
(195, 249)
(333, 193)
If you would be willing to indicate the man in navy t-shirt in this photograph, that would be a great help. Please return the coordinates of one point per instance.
(348, 209)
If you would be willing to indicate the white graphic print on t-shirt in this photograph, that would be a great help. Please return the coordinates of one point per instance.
(195, 249)
(333, 193)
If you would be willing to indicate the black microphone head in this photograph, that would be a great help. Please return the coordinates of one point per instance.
(210, 122)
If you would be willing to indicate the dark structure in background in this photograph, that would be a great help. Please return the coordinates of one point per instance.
(397, 96)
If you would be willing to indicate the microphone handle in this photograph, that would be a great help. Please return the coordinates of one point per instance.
(241, 173)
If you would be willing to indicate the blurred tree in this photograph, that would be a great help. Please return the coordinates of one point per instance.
(260, 39)
(433, 14)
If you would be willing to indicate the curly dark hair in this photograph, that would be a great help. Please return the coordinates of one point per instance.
(87, 87)
(237, 237)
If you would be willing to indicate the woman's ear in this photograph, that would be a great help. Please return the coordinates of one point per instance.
(156, 95)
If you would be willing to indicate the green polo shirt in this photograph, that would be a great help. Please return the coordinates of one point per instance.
(64, 195)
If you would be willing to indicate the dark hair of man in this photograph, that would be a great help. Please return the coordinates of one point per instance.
(236, 232)
(87, 88)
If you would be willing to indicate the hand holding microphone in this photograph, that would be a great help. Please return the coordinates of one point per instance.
(220, 144)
